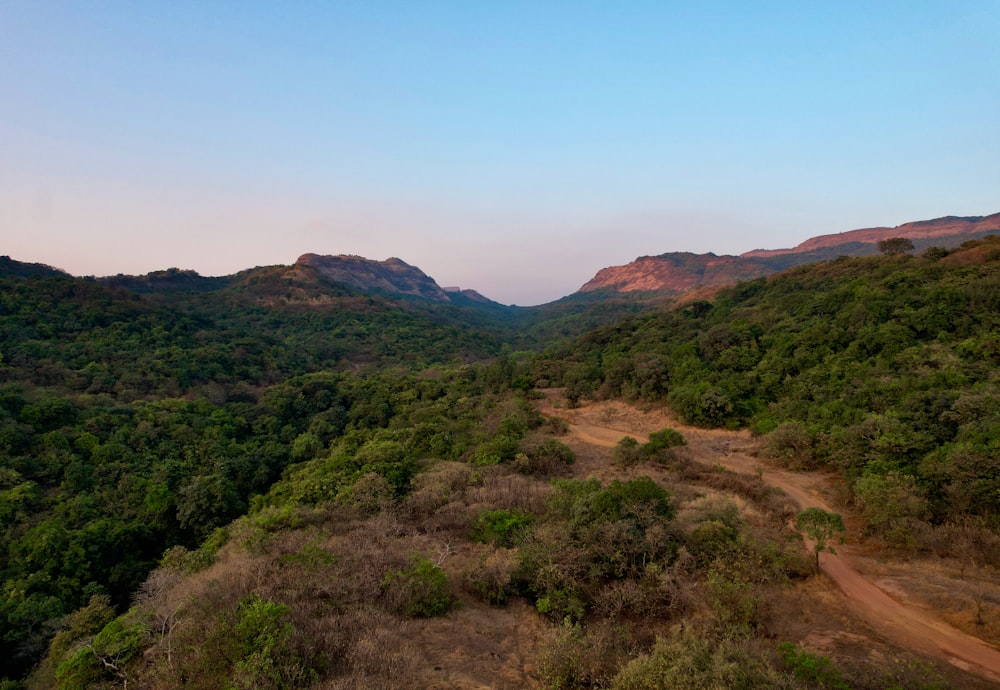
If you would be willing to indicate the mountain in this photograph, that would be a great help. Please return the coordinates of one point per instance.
(677, 273)
(947, 231)
(392, 276)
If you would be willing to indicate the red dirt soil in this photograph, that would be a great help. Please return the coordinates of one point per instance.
(907, 626)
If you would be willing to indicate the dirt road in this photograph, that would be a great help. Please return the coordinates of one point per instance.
(909, 627)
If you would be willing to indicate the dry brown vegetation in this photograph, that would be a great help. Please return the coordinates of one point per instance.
(701, 598)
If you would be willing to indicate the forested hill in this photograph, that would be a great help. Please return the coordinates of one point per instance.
(140, 414)
(885, 368)
(139, 418)
(151, 337)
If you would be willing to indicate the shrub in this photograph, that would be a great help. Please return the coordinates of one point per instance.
(792, 443)
(687, 660)
(120, 641)
(502, 527)
(264, 642)
(813, 668)
(182, 560)
(627, 452)
(544, 458)
(420, 591)
(583, 657)
(891, 503)
(491, 579)
(662, 440)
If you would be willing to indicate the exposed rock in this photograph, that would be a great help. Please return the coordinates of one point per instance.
(392, 276)
(680, 273)
(948, 227)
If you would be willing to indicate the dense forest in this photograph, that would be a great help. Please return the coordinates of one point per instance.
(318, 453)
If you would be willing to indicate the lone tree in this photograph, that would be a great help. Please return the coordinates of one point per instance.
(895, 245)
(820, 526)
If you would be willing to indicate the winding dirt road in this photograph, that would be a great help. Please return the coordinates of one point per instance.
(909, 627)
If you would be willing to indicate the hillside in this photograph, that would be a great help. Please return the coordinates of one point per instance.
(680, 273)
(884, 368)
(948, 231)
(392, 276)
(282, 480)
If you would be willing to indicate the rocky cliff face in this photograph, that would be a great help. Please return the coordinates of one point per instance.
(392, 276)
(676, 272)
(949, 229)
(680, 273)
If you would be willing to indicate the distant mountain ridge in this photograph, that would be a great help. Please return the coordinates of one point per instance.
(947, 228)
(316, 279)
(677, 273)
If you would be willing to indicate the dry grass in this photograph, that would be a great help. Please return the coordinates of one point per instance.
(330, 570)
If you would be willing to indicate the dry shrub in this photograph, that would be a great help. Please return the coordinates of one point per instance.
(492, 578)
(968, 539)
(690, 660)
(451, 521)
(441, 484)
(510, 491)
(661, 593)
(582, 657)
(370, 650)
(371, 494)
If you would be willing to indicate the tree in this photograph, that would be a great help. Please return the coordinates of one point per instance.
(895, 245)
(820, 526)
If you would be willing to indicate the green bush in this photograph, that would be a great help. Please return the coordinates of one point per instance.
(420, 591)
(687, 660)
(112, 648)
(266, 657)
(662, 440)
(815, 669)
(543, 458)
(502, 527)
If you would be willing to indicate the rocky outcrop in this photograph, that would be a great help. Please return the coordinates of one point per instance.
(948, 229)
(392, 276)
(679, 273)
(676, 272)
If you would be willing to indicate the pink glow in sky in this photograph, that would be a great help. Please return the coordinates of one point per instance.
(513, 148)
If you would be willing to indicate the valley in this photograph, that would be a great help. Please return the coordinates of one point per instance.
(337, 474)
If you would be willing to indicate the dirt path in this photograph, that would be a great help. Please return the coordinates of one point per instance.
(908, 626)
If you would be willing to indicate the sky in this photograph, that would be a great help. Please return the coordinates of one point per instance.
(510, 147)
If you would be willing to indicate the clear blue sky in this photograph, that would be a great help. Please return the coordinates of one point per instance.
(511, 147)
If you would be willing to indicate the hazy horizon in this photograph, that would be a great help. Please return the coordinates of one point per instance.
(504, 147)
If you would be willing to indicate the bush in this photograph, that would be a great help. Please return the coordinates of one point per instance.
(264, 641)
(815, 669)
(662, 440)
(627, 452)
(502, 527)
(117, 643)
(420, 591)
(689, 661)
(890, 504)
(583, 657)
(792, 443)
(491, 579)
(544, 459)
